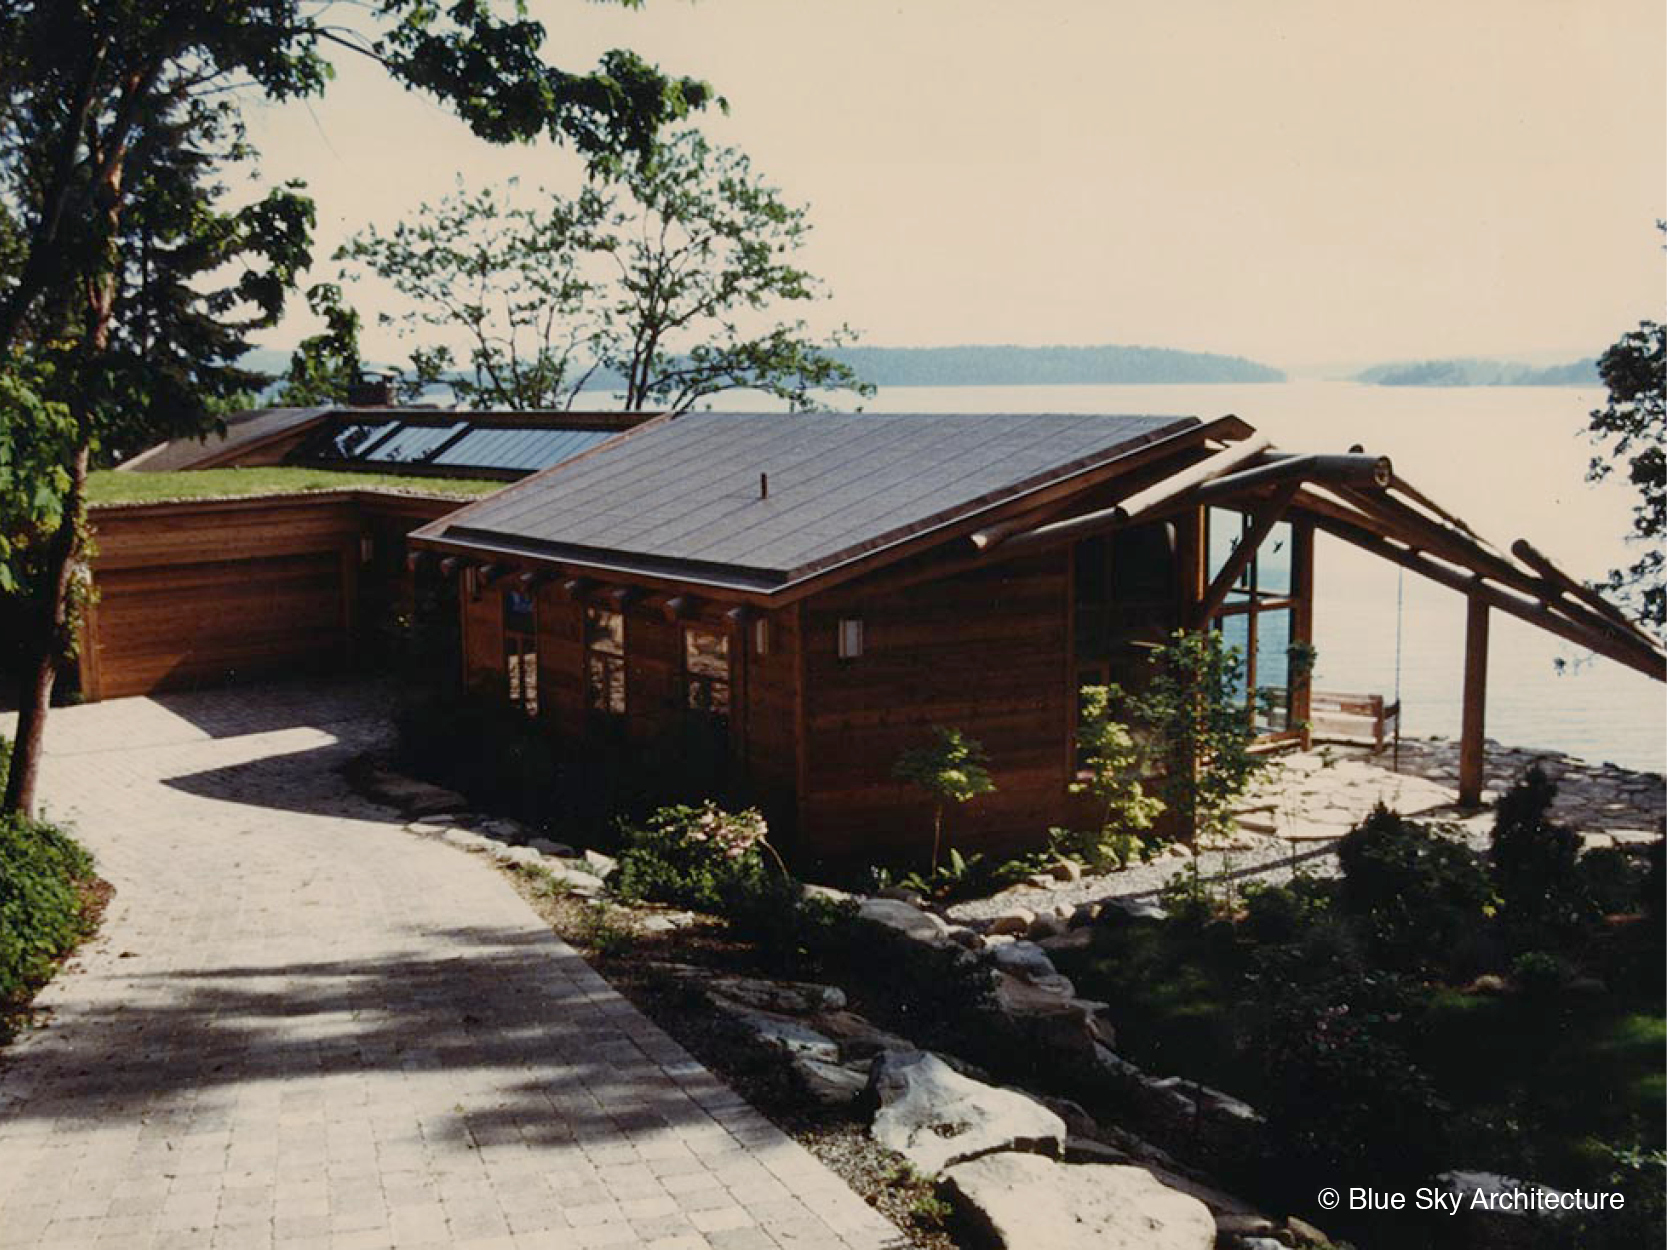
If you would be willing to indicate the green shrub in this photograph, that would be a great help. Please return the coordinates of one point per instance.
(700, 857)
(1419, 896)
(1542, 897)
(41, 913)
(1540, 974)
(1613, 879)
(1279, 914)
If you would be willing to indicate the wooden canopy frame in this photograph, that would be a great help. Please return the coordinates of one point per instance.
(1359, 499)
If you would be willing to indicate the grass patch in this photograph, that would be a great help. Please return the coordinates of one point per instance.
(109, 486)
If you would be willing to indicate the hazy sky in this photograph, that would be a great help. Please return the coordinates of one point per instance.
(1304, 183)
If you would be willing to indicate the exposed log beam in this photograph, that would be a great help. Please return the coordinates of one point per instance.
(1347, 469)
(1471, 732)
(1161, 496)
(577, 589)
(1474, 553)
(677, 607)
(1535, 613)
(1402, 486)
(1525, 551)
(1261, 524)
(414, 560)
(448, 566)
(491, 574)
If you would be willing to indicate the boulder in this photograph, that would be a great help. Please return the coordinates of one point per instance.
(546, 847)
(858, 1039)
(794, 1036)
(466, 840)
(1087, 1150)
(826, 893)
(793, 998)
(962, 936)
(1015, 921)
(501, 830)
(1024, 959)
(1067, 870)
(577, 881)
(1134, 909)
(1070, 940)
(515, 854)
(934, 1117)
(600, 865)
(1046, 1019)
(1028, 1203)
(1078, 1123)
(1041, 881)
(905, 920)
(1114, 1064)
(830, 1084)
(1047, 926)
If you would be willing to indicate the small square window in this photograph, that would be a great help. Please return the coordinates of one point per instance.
(850, 638)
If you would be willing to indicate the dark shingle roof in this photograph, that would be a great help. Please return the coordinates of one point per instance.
(682, 496)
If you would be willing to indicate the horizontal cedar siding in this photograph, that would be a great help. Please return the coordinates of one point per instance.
(212, 591)
(984, 652)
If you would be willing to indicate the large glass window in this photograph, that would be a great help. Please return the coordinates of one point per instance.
(1125, 587)
(521, 650)
(1257, 615)
(605, 661)
(706, 678)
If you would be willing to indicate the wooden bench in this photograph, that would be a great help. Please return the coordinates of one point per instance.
(1355, 718)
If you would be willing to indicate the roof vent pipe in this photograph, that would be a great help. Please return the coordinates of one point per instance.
(763, 485)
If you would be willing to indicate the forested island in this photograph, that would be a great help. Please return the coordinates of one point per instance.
(1468, 372)
(1046, 366)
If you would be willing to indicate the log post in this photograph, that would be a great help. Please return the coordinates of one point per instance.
(1475, 701)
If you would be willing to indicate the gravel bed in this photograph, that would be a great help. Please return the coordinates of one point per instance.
(1257, 855)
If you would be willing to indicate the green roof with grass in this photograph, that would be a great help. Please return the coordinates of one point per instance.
(112, 488)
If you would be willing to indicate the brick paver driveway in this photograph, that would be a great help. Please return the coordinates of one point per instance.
(303, 1026)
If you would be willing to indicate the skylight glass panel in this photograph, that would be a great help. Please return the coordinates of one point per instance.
(413, 443)
(519, 449)
(346, 441)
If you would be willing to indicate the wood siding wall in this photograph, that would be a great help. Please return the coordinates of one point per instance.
(986, 652)
(214, 591)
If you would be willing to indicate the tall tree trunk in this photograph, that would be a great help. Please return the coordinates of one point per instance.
(51, 632)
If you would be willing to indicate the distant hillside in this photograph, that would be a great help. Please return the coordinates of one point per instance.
(1046, 366)
(1480, 373)
(986, 366)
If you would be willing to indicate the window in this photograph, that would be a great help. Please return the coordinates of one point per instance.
(850, 638)
(1258, 615)
(761, 636)
(605, 661)
(706, 681)
(521, 650)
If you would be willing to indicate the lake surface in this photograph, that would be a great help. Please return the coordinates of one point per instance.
(1510, 460)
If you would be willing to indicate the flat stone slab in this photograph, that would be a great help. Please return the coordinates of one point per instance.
(1025, 1202)
(934, 1117)
(302, 1025)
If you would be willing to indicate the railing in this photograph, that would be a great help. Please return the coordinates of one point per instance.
(1354, 718)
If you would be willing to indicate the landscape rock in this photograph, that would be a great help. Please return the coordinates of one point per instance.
(1115, 1064)
(1305, 1234)
(600, 865)
(502, 830)
(1066, 870)
(831, 1084)
(1041, 881)
(425, 830)
(1047, 926)
(1045, 1018)
(1024, 959)
(970, 939)
(558, 849)
(1087, 1150)
(1070, 940)
(1242, 1226)
(1028, 1203)
(935, 1117)
(466, 840)
(792, 1035)
(794, 998)
(578, 881)
(905, 920)
(1079, 1125)
(1134, 908)
(826, 893)
(858, 1039)
(1016, 921)
(516, 854)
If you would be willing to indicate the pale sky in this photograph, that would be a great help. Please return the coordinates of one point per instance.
(1308, 184)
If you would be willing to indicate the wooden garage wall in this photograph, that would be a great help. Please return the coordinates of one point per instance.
(986, 652)
(213, 591)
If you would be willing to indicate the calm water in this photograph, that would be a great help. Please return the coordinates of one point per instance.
(1511, 461)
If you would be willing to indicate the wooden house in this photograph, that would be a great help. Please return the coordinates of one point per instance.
(820, 591)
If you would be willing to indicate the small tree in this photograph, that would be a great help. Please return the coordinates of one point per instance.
(952, 769)
(1194, 708)
(324, 366)
(1114, 763)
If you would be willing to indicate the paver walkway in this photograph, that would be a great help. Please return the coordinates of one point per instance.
(303, 1027)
